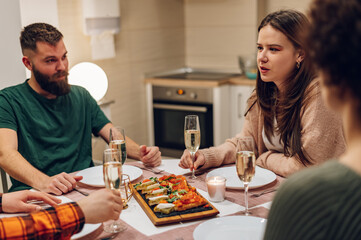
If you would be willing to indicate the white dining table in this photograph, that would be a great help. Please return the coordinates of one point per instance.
(139, 226)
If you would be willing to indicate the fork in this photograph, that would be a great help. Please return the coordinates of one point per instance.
(81, 192)
(264, 192)
(153, 170)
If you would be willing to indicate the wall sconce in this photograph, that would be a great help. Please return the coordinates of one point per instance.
(91, 77)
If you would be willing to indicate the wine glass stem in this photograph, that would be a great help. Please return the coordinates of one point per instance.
(246, 197)
(115, 224)
(193, 172)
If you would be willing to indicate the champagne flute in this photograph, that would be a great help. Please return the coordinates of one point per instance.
(117, 141)
(192, 137)
(245, 164)
(112, 174)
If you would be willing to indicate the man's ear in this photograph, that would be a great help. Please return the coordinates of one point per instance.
(27, 63)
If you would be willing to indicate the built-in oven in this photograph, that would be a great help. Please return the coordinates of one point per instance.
(170, 106)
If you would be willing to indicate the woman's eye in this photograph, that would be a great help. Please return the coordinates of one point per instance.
(259, 48)
(274, 49)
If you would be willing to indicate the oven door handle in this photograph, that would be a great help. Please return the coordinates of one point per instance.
(179, 107)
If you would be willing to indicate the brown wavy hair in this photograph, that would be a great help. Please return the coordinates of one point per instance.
(334, 42)
(287, 108)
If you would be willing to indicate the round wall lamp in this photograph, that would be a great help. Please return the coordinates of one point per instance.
(91, 77)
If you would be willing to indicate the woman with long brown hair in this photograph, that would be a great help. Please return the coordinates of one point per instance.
(324, 202)
(286, 117)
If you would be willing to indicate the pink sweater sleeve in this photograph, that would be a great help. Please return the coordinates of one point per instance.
(226, 153)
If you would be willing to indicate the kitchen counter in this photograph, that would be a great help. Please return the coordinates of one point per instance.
(197, 77)
(242, 80)
(239, 80)
(185, 82)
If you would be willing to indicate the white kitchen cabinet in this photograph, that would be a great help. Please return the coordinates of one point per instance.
(239, 95)
(220, 114)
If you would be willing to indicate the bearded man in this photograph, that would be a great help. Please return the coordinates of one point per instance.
(46, 124)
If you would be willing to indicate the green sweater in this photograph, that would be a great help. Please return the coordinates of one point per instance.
(54, 135)
(318, 203)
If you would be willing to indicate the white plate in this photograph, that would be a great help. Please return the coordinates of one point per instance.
(261, 178)
(93, 176)
(232, 227)
(87, 229)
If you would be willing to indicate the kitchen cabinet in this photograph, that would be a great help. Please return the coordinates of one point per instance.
(239, 95)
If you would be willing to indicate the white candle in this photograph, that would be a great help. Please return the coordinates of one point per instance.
(216, 187)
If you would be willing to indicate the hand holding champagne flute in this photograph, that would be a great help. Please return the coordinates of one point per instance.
(192, 136)
(112, 174)
(245, 164)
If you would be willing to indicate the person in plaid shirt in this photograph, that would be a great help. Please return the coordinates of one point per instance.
(58, 221)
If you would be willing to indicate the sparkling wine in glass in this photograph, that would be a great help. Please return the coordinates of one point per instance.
(192, 136)
(112, 174)
(117, 141)
(245, 165)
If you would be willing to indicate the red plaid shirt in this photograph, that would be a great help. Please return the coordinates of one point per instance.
(60, 222)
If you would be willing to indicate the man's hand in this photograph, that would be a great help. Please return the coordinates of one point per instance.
(17, 201)
(101, 206)
(150, 156)
(61, 183)
(186, 160)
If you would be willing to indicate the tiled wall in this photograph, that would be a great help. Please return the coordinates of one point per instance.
(218, 31)
(151, 39)
(300, 5)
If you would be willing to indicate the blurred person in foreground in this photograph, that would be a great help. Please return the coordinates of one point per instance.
(46, 125)
(324, 202)
(286, 117)
(57, 221)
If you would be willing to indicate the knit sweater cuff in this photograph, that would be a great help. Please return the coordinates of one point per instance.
(210, 158)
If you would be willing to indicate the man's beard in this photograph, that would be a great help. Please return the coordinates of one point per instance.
(51, 84)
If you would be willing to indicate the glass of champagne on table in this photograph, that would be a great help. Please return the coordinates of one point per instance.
(117, 141)
(112, 174)
(192, 137)
(245, 165)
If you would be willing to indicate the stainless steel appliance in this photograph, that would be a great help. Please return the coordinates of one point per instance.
(171, 103)
(170, 106)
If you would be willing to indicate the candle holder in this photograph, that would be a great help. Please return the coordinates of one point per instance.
(216, 187)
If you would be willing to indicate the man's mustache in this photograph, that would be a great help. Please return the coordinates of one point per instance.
(61, 74)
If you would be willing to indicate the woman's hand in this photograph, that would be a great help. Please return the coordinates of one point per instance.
(186, 160)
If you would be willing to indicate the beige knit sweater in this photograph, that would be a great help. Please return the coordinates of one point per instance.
(322, 138)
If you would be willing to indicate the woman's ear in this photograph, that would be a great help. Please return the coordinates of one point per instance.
(300, 55)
